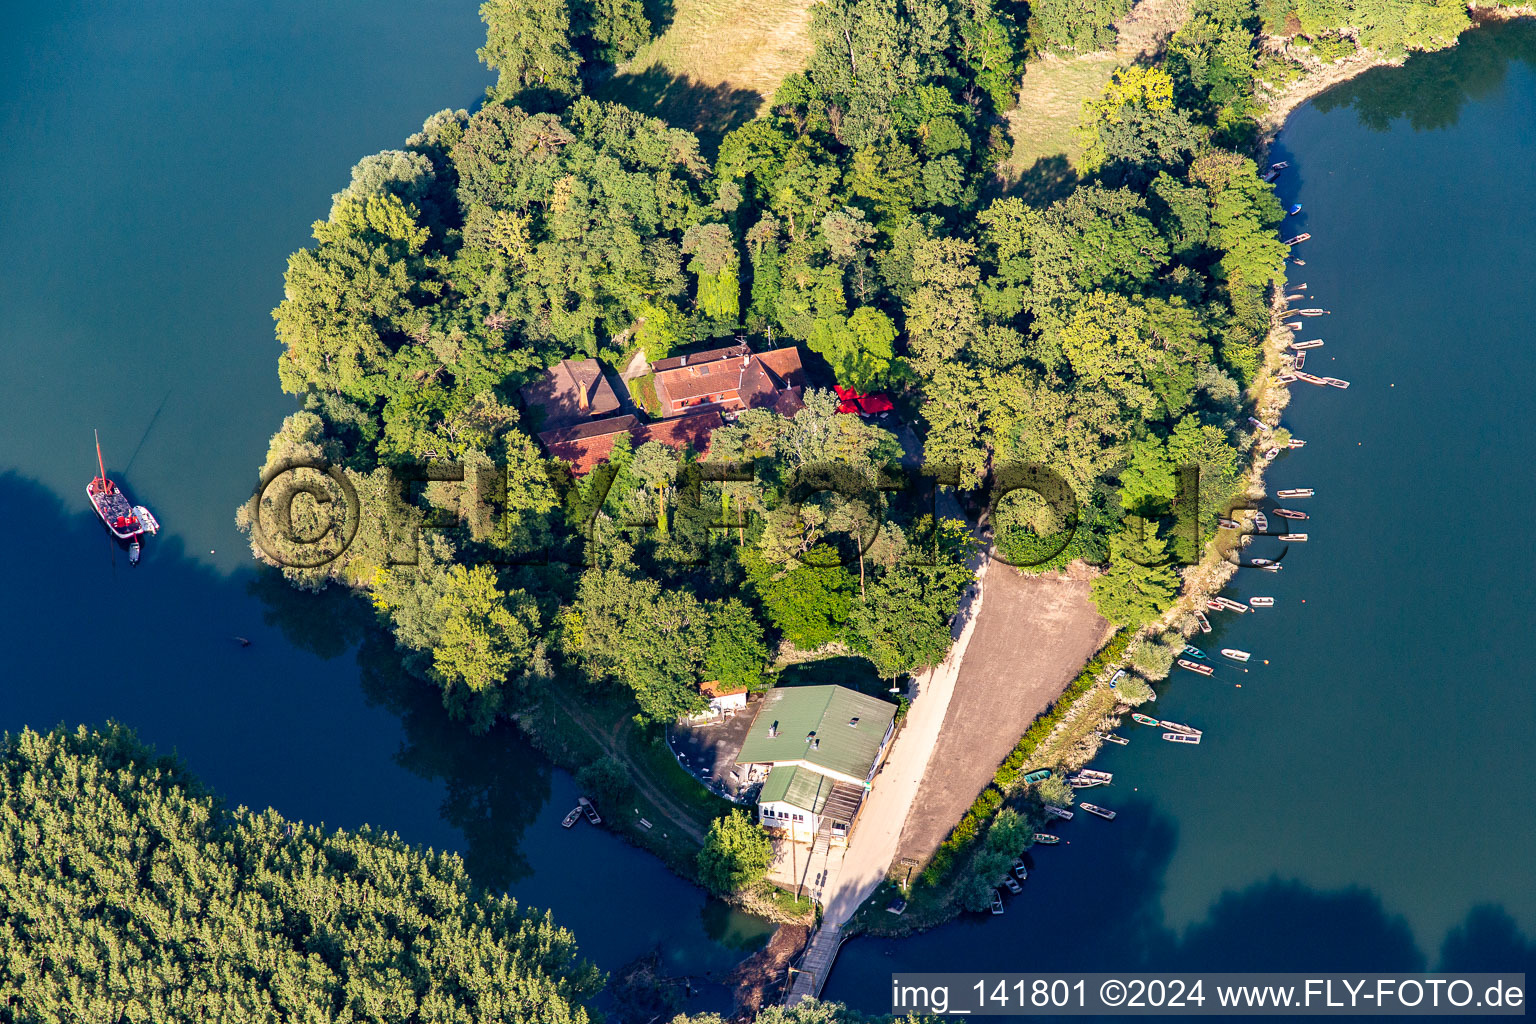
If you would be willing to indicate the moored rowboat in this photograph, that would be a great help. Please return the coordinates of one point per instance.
(1262, 602)
(1047, 839)
(1195, 666)
(1294, 538)
(1121, 741)
(1205, 623)
(1180, 737)
(1235, 654)
(1295, 492)
(1144, 719)
(1289, 513)
(1098, 812)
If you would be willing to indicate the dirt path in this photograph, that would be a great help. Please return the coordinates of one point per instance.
(1032, 638)
(608, 739)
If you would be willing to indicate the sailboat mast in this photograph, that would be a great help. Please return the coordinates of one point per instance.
(98, 457)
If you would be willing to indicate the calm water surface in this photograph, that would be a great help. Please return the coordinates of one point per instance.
(161, 160)
(1363, 799)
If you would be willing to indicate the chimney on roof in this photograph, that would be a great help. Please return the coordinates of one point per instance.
(582, 401)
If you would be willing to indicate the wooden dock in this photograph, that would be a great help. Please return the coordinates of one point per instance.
(807, 979)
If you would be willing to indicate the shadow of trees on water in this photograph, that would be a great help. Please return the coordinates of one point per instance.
(1098, 906)
(1431, 89)
(247, 678)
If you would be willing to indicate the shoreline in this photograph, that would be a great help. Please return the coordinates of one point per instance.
(1268, 399)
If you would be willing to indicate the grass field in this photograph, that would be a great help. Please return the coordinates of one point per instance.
(1045, 150)
(716, 63)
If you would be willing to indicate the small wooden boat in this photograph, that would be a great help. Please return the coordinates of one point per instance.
(1259, 424)
(1180, 737)
(1335, 382)
(1019, 870)
(1262, 602)
(1144, 719)
(1205, 623)
(1298, 261)
(1227, 524)
(1176, 727)
(1292, 327)
(997, 902)
(1114, 681)
(1295, 492)
(1296, 442)
(1078, 782)
(1311, 343)
(1012, 884)
(1300, 287)
(1059, 812)
(1294, 538)
(1270, 567)
(1290, 513)
(1298, 239)
(571, 818)
(591, 812)
(1098, 812)
(1195, 667)
(1299, 360)
(1285, 378)
(1120, 741)
(1261, 522)
(1271, 454)
(1298, 295)
(1090, 773)
(1274, 171)
(1046, 839)
(1194, 652)
(1039, 776)
(1235, 654)
(1313, 312)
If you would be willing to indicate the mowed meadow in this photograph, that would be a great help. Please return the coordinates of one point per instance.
(714, 64)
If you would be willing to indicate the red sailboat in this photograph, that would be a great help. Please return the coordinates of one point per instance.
(125, 520)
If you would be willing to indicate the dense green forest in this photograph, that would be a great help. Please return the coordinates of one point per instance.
(129, 893)
(1110, 332)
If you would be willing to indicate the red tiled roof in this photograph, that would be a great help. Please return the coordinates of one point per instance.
(557, 394)
(734, 382)
(698, 358)
(587, 444)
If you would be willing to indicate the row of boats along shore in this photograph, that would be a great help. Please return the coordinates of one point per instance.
(1279, 523)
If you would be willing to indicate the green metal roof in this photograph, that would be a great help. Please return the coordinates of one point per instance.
(797, 787)
(797, 714)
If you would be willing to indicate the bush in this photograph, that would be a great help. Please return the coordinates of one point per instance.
(736, 854)
(1135, 690)
(606, 781)
(1154, 658)
(1056, 790)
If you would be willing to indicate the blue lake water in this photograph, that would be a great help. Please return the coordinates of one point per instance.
(1361, 801)
(161, 161)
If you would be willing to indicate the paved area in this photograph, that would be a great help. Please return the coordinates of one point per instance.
(872, 846)
(707, 749)
(1031, 640)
